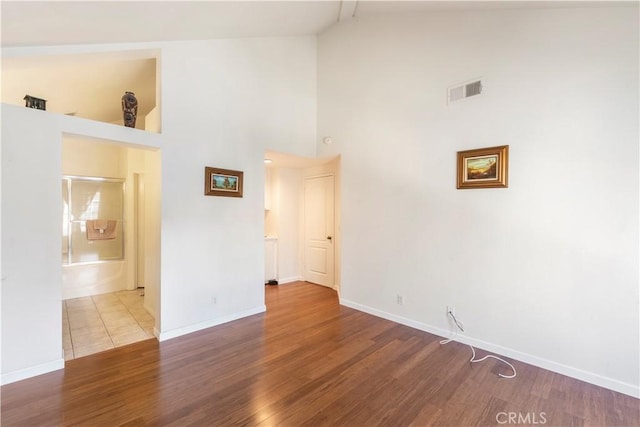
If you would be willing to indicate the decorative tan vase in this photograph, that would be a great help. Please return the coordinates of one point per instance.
(129, 109)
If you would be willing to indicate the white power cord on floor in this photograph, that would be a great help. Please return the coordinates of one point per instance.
(473, 359)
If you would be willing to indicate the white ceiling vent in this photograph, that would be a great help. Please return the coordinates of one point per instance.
(464, 90)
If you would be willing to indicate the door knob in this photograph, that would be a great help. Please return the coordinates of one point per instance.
(329, 237)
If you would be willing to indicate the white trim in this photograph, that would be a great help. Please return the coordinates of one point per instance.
(291, 280)
(32, 371)
(319, 175)
(174, 333)
(579, 374)
(394, 318)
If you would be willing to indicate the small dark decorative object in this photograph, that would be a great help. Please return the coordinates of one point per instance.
(129, 109)
(33, 102)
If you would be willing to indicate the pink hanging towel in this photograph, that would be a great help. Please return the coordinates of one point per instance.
(101, 229)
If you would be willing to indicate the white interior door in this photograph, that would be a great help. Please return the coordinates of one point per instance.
(319, 230)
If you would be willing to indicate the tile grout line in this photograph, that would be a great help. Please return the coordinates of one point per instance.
(96, 309)
(132, 315)
(103, 323)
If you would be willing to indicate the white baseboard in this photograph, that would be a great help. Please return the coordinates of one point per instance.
(290, 280)
(579, 374)
(32, 371)
(174, 333)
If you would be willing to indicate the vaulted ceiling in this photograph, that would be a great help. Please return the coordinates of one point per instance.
(91, 85)
(80, 22)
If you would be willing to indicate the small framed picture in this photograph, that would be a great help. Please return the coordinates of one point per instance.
(222, 182)
(483, 167)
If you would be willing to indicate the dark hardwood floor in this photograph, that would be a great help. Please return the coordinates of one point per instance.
(307, 362)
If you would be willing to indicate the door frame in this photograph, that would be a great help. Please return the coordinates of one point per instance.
(139, 218)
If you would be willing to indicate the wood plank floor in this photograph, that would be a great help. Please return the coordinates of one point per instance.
(307, 362)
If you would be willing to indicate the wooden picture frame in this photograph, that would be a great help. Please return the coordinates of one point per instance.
(483, 168)
(222, 182)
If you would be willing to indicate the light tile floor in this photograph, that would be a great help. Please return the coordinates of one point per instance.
(101, 322)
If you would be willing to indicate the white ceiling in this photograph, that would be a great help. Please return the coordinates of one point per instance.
(38, 23)
(90, 86)
(145, 21)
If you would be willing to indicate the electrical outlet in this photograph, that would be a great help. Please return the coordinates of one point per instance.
(214, 300)
(451, 309)
(400, 300)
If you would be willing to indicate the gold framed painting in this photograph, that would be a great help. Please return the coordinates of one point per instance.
(483, 168)
(222, 182)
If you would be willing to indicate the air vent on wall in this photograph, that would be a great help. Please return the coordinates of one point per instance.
(464, 90)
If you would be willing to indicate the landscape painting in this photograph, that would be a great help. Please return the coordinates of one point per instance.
(483, 167)
(222, 182)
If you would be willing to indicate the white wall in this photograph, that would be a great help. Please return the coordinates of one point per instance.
(86, 157)
(545, 271)
(283, 221)
(31, 267)
(153, 218)
(145, 163)
(224, 101)
(31, 219)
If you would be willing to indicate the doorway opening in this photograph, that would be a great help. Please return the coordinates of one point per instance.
(110, 231)
(302, 220)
